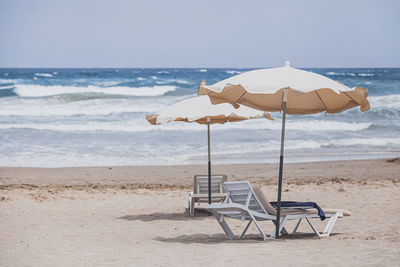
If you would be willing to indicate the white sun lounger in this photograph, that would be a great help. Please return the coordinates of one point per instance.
(200, 192)
(245, 203)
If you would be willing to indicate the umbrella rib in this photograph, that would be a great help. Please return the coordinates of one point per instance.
(240, 98)
(351, 98)
(326, 108)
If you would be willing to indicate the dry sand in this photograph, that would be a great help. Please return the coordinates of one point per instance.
(137, 216)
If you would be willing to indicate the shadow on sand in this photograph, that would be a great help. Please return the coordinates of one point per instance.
(184, 216)
(221, 238)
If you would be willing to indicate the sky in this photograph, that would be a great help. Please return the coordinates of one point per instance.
(207, 33)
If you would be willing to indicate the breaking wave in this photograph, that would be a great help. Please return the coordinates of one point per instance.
(30, 90)
(47, 75)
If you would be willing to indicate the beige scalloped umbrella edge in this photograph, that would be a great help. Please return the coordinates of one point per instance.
(323, 99)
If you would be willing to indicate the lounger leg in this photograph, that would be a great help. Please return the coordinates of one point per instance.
(313, 227)
(245, 230)
(225, 226)
(330, 224)
(297, 226)
(191, 205)
(283, 231)
(258, 226)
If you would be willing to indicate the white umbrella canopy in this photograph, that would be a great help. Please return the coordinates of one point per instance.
(289, 90)
(200, 109)
(307, 92)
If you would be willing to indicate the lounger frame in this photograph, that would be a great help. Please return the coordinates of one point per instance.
(245, 205)
(200, 190)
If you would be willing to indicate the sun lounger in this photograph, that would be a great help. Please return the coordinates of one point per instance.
(200, 191)
(245, 203)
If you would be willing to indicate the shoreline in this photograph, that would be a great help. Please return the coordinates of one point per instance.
(180, 176)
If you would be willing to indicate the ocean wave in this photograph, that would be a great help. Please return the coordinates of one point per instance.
(233, 72)
(140, 125)
(304, 144)
(87, 108)
(8, 81)
(182, 81)
(384, 102)
(319, 125)
(202, 70)
(7, 86)
(107, 83)
(332, 73)
(47, 75)
(88, 126)
(335, 73)
(29, 90)
(371, 142)
(71, 105)
(163, 72)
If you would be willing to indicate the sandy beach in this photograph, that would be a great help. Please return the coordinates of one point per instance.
(138, 216)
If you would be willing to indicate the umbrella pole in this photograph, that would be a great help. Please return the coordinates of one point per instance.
(209, 162)
(278, 212)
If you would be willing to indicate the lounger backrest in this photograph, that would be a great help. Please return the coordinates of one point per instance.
(201, 184)
(242, 193)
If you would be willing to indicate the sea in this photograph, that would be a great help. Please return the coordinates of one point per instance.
(96, 117)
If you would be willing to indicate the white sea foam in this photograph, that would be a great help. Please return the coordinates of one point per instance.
(48, 75)
(29, 90)
(163, 72)
(107, 83)
(366, 74)
(140, 79)
(318, 125)
(340, 73)
(140, 125)
(8, 80)
(26, 108)
(385, 102)
(6, 87)
(182, 81)
(303, 145)
(95, 107)
(374, 141)
(202, 70)
(334, 73)
(154, 77)
(233, 72)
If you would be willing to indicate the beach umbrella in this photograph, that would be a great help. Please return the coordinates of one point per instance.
(199, 109)
(290, 91)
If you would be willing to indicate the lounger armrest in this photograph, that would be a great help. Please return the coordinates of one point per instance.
(213, 195)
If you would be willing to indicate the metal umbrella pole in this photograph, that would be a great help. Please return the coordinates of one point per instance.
(278, 212)
(209, 161)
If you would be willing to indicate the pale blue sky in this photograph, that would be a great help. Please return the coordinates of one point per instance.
(78, 33)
